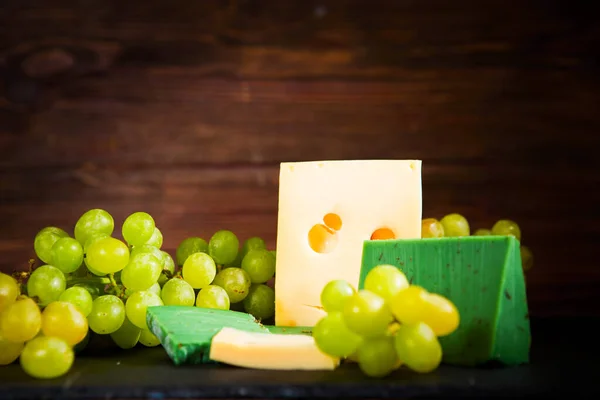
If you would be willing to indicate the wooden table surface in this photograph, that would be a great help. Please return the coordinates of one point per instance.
(185, 109)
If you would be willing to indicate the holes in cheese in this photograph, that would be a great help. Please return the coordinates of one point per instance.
(383, 234)
(333, 221)
(323, 238)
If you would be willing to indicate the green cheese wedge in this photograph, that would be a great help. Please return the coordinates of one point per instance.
(482, 276)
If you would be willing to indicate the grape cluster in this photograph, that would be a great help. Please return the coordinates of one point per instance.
(453, 225)
(387, 324)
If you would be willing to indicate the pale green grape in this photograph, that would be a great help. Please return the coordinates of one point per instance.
(367, 314)
(333, 337)
(9, 290)
(177, 292)
(156, 239)
(259, 264)
(79, 297)
(168, 269)
(385, 281)
(137, 304)
(127, 336)
(21, 321)
(223, 247)
(213, 296)
(188, 247)
(455, 225)
(482, 232)
(236, 283)
(148, 339)
(138, 228)
(107, 255)
(334, 295)
(526, 258)
(46, 283)
(409, 305)
(156, 289)
(108, 314)
(47, 357)
(141, 272)
(260, 302)
(377, 357)
(64, 320)
(199, 270)
(431, 228)
(44, 240)
(92, 239)
(506, 227)
(9, 351)
(146, 248)
(93, 222)
(253, 243)
(67, 254)
(418, 347)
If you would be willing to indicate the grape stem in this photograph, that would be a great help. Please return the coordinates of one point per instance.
(116, 288)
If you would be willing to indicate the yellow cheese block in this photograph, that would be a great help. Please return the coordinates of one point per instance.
(269, 351)
(326, 211)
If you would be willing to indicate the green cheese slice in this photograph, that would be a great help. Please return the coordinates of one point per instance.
(482, 276)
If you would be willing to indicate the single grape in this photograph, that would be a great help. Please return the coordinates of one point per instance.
(177, 292)
(137, 304)
(213, 296)
(386, 281)
(21, 321)
(9, 351)
(367, 314)
(67, 254)
(418, 347)
(46, 283)
(199, 270)
(92, 222)
(9, 290)
(127, 336)
(107, 255)
(377, 357)
(168, 269)
(47, 357)
(44, 240)
(526, 258)
(138, 228)
(64, 320)
(333, 337)
(146, 248)
(440, 314)
(260, 302)
(482, 232)
(253, 243)
(431, 228)
(506, 227)
(334, 295)
(223, 247)
(79, 297)
(156, 289)
(455, 225)
(108, 314)
(188, 247)
(156, 239)
(148, 338)
(409, 305)
(259, 264)
(236, 283)
(142, 271)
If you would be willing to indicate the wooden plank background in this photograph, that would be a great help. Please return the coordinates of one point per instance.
(185, 108)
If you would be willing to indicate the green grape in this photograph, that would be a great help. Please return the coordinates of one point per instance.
(21, 321)
(156, 289)
(335, 294)
(47, 357)
(94, 290)
(253, 243)
(64, 320)
(148, 339)
(127, 336)
(506, 227)
(137, 304)
(138, 228)
(108, 314)
(188, 247)
(168, 269)
(177, 292)
(92, 239)
(333, 337)
(259, 264)
(482, 232)
(260, 302)
(67, 254)
(44, 240)
(418, 347)
(148, 249)
(385, 281)
(377, 357)
(236, 283)
(93, 222)
(107, 255)
(9, 290)
(46, 283)
(455, 225)
(9, 351)
(142, 271)
(223, 247)
(199, 270)
(409, 305)
(79, 297)
(156, 239)
(431, 228)
(526, 258)
(367, 314)
(213, 296)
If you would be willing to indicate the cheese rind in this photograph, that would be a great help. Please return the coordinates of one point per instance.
(269, 351)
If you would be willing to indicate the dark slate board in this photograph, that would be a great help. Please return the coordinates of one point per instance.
(564, 359)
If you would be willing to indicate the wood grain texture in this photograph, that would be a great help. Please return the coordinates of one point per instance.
(185, 108)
